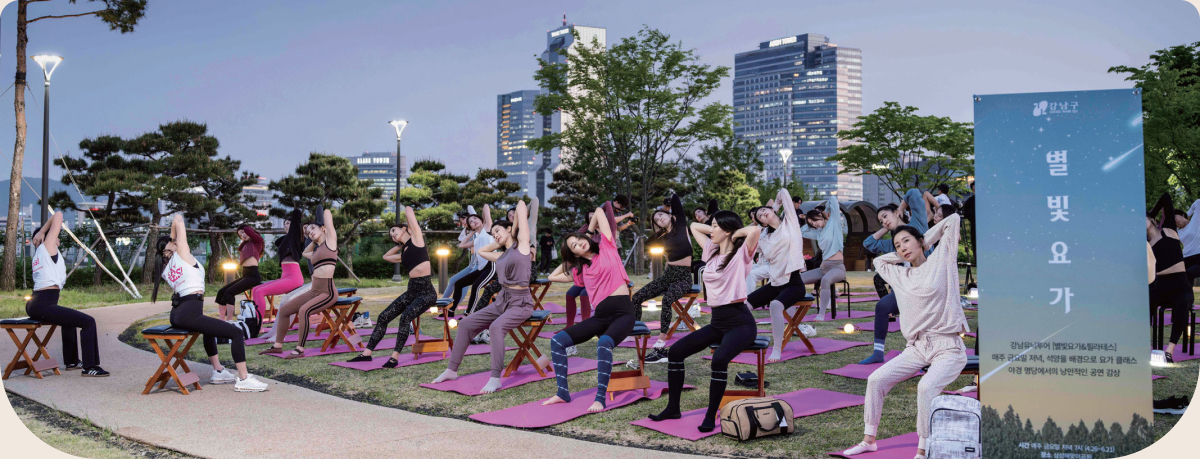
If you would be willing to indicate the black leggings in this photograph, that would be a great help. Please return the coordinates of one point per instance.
(672, 285)
(881, 286)
(733, 326)
(250, 278)
(788, 294)
(414, 301)
(44, 306)
(613, 318)
(886, 305)
(1175, 292)
(187, 312)
(1193, 267)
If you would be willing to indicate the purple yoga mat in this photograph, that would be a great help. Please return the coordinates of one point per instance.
(805, 402)
(972, 334)
(1157, 377)
(315, 350)
(407, 359)
(856, 314)
(856, 371)
(859, 299)
(972, 394)
(296, 337)
(470, 384)
(901, 447)
(893, 327)
(1181, 356)
(844, 294)
(533, 415)
(558, 308)
(795, 348)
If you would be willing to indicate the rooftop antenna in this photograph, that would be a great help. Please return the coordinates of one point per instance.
(564, 19)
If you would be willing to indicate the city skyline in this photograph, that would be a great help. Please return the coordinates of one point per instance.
(275, 81)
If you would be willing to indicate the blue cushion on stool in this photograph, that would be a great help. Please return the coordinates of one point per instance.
(695, 289)
(166, 330)
(444, 301)
(808, 297)
(348, 300)
(345, 290)
(20, 321)
(540, 282)
(639, 329)
(538, 316)
(760, 343)
(972, 363)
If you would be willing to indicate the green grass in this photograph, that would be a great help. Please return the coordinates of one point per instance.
(12, 304)
(80, 437)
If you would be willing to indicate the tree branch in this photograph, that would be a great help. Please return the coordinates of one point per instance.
(31, 21)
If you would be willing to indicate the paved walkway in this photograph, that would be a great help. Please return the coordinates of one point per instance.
(284, 422)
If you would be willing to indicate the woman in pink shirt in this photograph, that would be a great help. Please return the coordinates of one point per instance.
(607, 284)
(250, 251)
(728, 247)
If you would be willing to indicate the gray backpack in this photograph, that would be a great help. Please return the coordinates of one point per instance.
(954, 428)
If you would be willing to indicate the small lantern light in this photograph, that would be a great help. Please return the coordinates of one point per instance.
(849, 328)
(443, 252)
(433, 310)
(652, 305)
(656, 251)
(973, 294)
(229, 266)
(453, 323)
(28, 297)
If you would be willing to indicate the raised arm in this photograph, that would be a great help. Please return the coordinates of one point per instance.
(487, 218)
(309, 249)
(179, 234)
(560, 275)
(789, 211)
(1164, 210)
(414, 228)
(751, 233)
(489, 252)
(701, 233)
(48, 234)
(522, 226)
(393, 255)
(712, 208)
(330, 231)
(532, 225)
(677, 210)
(600, 223)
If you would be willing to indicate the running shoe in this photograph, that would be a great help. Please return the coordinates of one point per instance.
(73, 366)
(632, 363)
(807, 330)
(250, 384)
(222, 377)
(1171, 405)
(94, 372)
(571, 351)
(656, 355)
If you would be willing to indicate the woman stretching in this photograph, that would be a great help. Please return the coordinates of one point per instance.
(513, 306)
(186, 278)
(891, 218)
(249, 251)
(677, 280)
(490, 285)
(484, 270)
(827, 228)
(783, 248)
(930, 319)
(1171, 287)
(604, 276)
(414, 255)
(727, 248)
(49, 277)
(289, 249)
(1189, 234)
(321, 295)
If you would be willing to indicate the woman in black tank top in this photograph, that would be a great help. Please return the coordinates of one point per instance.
(413, 254)
(1171, 287)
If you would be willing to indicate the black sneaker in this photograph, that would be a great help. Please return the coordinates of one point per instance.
(73, 366)
(94, 372)
(656, 355)
(1165, 403)
(1170, 358)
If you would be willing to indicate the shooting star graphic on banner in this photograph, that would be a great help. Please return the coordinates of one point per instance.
(1114, 162)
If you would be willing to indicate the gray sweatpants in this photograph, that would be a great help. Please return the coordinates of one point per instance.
(944, 354)
(511, 308)
(830, 272)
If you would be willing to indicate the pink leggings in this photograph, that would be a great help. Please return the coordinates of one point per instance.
(291, 279)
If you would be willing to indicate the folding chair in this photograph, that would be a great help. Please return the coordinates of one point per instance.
(681, 311)
(443, 344)
(35, 364)
(633, 379)
(1158, 329)
(338, 319)
(759, 349)
(794, 320)
(179, 341)
(526, 349)
(538, 289)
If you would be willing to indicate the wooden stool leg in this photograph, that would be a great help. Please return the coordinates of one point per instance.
(41, 348)
(16, 362)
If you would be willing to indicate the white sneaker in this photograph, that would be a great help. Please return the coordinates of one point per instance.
(860, 448)
(571, 351)
(222, 377)
(250, 384)
(808, 330)
(694, 312)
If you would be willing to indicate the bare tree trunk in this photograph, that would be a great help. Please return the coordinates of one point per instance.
(8, 282)
(151, 245)
(97, 273)
(215, 274)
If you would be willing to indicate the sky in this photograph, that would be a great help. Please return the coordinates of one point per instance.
(275, 80)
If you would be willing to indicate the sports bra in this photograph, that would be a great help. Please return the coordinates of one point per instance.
(324, 255)
(412, 256)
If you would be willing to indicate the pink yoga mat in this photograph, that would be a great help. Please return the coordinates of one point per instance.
(971, 334)
(533, 415)
(407, 359)
(315, 349)
(470, 384)
(859, 299)
(856, 371)
(805, 402)
(893, 327)
(654, 332)
(1181, 356)
(855, 314)
(795, 348)
(843, 294)
(558, 308)
(296, 337)
(1157, 377)
(901, 447)
(972, 394)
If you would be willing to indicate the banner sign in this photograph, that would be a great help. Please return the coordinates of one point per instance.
(1064, 318)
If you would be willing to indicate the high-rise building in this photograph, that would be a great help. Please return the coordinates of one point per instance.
(380, 168)
(516, 123)
(557, 40)
(795, 93)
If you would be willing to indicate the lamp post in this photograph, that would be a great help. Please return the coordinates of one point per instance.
(786, 153)
(230, 269)
(399, 125)
(442, 254)
(48, 63)
(655, 262)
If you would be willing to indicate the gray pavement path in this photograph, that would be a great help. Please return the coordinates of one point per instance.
(286, 421)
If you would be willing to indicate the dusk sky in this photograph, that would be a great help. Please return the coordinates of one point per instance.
(275, 80)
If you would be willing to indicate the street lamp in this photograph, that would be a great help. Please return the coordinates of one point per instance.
(442, 253)
(656, 262)
(48, 63)
(399, 125)
(785, 153)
